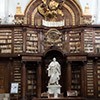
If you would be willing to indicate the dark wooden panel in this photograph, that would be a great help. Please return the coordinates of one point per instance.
(3, 76)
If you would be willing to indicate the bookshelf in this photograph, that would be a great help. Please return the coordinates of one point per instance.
(18, 40)
(76, 78)
(17, 76)
(74, 42)
(97, 41)
(31, 81)
(5, 41)
(90, 79)
(32, 42)
(98, 78)
(88, 40)
(64, 44)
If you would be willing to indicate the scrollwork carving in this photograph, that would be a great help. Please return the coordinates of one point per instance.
(53, 38)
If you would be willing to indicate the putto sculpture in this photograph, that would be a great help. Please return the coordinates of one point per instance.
(51, 10)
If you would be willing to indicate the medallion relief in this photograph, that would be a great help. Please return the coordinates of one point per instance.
(53, 38)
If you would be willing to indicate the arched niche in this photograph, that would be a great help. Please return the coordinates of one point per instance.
(71, 9)
(47, 58)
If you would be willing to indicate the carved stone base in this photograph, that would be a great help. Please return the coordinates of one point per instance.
(54, 89)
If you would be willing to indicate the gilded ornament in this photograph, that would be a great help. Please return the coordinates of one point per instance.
(51, 10)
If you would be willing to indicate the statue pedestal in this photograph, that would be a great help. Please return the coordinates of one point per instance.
(54, 89)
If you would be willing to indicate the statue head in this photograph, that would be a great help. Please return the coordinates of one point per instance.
(54, 59)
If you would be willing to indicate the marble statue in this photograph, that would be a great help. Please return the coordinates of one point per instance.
(54, 72)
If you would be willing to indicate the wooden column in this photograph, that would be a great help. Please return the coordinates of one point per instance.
(39, 69)
(83, 79)
(69, 76)
(82, 42)
(23, 82)
(24, 39)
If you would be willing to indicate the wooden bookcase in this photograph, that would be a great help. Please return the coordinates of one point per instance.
(24, 57)
(32, 41)
(18, 40)
(90, 87)
(31, 83)
(98, 77)
(5, 41)
(97, 41)
(76, 78)
(88, 40)
(17, 75)
(74, 42)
